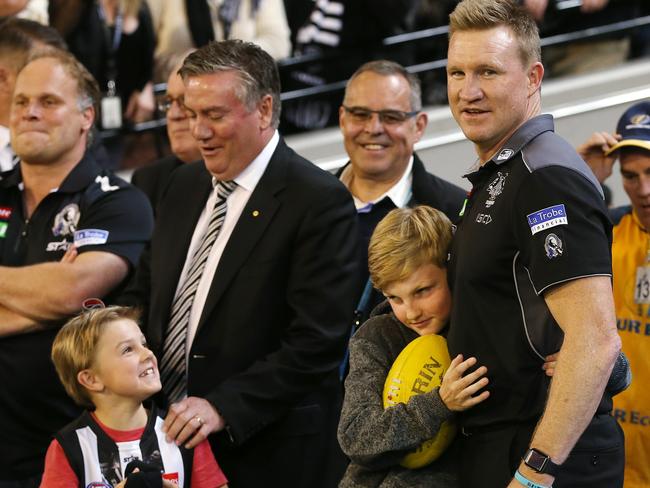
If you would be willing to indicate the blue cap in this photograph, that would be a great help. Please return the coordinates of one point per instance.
(634, 127)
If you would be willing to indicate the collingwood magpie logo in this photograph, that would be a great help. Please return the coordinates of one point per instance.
(553, 246)
(65, 222)
(496, 188)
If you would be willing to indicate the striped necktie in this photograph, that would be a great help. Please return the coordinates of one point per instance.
(173, 364)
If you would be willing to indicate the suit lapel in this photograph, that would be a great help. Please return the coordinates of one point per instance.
(251, 226)
(180, 223)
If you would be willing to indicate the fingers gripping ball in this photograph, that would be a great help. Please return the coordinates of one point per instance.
(419, 369)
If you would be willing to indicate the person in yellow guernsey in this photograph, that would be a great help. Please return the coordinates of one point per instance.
(407, 260)
(630, 145)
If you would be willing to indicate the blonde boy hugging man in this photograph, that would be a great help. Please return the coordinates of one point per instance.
(407, 259)
(105, 365)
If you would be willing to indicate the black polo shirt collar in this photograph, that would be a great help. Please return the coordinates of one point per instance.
(528, 131)
(82, 175)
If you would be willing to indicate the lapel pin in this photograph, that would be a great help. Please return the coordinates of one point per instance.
(256, 213)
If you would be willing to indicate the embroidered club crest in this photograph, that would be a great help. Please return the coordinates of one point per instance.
(495, 188)
(553, 246)
(65, 222)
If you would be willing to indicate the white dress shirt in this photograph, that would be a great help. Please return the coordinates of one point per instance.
(246, 182)
(400, 193)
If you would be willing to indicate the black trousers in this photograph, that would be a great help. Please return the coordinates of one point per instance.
(490, 457)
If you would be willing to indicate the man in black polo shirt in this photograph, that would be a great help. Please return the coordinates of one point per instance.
(530, 270)
(56, 199)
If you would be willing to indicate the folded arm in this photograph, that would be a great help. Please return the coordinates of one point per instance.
(50, 291)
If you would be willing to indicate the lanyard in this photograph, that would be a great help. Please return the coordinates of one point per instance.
(112, 45)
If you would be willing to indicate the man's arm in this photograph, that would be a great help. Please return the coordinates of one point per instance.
(584, 309)
(53, 290)
(593, 152)
(12, 323)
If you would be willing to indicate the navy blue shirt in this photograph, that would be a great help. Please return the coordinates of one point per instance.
(98, 212)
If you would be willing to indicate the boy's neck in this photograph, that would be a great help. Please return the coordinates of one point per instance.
(122, 416)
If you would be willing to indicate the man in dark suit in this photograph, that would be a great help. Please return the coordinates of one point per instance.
(152, 179)
(381, 119)
(269, 317)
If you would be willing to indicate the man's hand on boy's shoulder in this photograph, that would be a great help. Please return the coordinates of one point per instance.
(190, 421)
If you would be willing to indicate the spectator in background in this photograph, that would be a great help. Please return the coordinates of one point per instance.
(115, 41)
(582, 56)
(18, 38)
(353, 31)
(56, 199)
(183, 24)
(381, 119)
(631, 266)
(354, 23)
(152, 179)
(35, 10)
(298, 12)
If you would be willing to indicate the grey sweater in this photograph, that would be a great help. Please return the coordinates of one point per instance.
(376, 439)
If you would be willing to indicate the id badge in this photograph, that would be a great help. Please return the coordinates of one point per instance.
(111, 112)
(642, 285)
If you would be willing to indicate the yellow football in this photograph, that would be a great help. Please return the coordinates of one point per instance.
(419, 369)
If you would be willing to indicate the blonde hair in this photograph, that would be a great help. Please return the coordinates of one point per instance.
(406, 239)
(488, 14)
(75, 346)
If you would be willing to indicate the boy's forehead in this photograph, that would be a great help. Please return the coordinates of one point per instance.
(121, 329)
(422, 274)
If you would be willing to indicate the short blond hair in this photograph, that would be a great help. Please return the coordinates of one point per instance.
(406, 239)
(488, 14)
(75, 346)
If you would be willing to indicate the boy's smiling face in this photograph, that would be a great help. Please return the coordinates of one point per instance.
(422, 302)
(124, 366)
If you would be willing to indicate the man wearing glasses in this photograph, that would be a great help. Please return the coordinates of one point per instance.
(152, 179)
(381, 120)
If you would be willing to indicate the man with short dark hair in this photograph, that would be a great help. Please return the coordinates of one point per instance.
(630, 145)
(68, 231)
(530, 269)
(381, 119)
(248, 283)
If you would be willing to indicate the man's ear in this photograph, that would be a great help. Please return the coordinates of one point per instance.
(265, 108)
(421, 121)
(535, 75)
(88, 117)
(89, 380)
(5, 80)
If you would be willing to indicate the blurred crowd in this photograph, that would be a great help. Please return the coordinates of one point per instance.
(131, 45)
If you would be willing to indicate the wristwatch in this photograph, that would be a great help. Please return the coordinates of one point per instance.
(540, 462)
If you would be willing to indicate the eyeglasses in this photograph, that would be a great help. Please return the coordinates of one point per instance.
(388, 117)
(166, 103)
